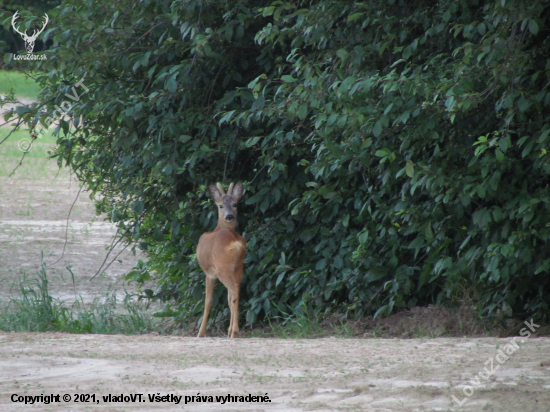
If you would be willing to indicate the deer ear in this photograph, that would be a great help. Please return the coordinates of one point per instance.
(214, 193)
(238, 191)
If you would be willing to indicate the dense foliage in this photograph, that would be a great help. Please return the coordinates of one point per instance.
(394, 152)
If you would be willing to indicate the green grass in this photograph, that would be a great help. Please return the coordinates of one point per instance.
(36, 311)
(297, 328)
(38, 150)
(305, 326)
(24, 86)
(36, 161)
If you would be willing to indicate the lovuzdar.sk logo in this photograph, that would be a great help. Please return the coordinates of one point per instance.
(29, 40)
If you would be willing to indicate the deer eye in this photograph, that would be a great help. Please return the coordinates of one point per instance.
(221, 206)
(234, 205)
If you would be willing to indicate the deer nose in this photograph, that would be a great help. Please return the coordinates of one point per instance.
(229, 217)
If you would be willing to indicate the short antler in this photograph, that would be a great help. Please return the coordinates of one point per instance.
(230, 190)
(220, 188)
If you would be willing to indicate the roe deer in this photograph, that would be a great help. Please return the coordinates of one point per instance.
(221, 254)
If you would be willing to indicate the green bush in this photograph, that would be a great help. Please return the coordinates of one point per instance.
(394, 152)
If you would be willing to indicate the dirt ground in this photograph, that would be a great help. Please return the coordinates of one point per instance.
(330, 374)
(34, 228)
(182, 373)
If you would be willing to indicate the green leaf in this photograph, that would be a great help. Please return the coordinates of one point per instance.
(380, 310)
(171, 84)
(268, 11)
(22, 109)
(497, 214)
(355, 16)
(544, 135)
(334, 149)
(377, 129)
(257, 197)
(533, 27)
(302, 112)
(481, 191)
(382, 153)
(138, 207)
(504, 143)
(407, 52)
(277, 13)
(321, 264)
(363, 236)
(280, 278)
(481, 28)
(527, 148)
(342, 53)
(250, 317)
(288, 78)
(499, 155)
(523, 104)
(409, 168)
(259, 103)
(522, 140)
(450, 103)
(167, 169)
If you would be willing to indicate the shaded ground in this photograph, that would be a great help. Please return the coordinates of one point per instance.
(297, 375)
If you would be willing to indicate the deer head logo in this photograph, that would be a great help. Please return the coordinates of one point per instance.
(29, 40)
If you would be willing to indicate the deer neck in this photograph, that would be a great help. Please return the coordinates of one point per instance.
(222, 224)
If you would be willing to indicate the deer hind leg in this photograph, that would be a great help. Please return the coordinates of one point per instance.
(231, 313)
(210, 282)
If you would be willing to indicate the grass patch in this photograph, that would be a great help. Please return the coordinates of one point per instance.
(36, 162)
(10, 150)
(304, 326)
(24, 86)
(36, 311)
(39, 149)
(293, 328)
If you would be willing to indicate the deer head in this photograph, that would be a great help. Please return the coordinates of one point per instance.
(29, 40)
(226, 202)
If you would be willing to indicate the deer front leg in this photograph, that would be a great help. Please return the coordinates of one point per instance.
(233, 298)
(210, 282)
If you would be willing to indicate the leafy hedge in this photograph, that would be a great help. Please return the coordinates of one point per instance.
(395, 153)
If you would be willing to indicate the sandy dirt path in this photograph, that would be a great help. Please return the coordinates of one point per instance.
(329, 374)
